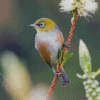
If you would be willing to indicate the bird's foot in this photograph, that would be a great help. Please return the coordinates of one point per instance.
(66, 45)
(58, 73)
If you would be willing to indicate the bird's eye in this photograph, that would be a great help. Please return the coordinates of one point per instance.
(42, 24)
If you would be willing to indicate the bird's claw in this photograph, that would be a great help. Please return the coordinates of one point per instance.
(58, 73)
(66, 45)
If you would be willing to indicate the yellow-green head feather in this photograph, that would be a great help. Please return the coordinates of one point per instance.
(48, 25)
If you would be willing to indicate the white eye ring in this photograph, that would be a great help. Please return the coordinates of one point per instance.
(42, 24)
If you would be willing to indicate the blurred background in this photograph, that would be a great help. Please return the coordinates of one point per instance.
(23, 73)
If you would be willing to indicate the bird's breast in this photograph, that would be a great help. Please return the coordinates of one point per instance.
(44, 52)
(48, 45)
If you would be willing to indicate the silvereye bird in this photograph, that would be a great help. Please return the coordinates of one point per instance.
(48, 41)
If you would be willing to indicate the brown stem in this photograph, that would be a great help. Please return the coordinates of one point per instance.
(71, 30)
(65, 49)
(51, 87)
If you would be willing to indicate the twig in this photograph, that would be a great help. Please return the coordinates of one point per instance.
(65, 49)
(51, 87)
(97, 72)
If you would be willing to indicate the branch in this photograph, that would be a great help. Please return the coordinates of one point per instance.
(97, 72)
(65, 49)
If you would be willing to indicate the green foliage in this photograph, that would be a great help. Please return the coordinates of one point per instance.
(60, 55)
(88, 66)
(67, 57)
(63, 57)
(73, 12)
(90, 84)
(84, 58)
(65, 54)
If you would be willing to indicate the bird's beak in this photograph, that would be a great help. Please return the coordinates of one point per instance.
(34, 25)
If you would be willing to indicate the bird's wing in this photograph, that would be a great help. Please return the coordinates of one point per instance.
(60, 37)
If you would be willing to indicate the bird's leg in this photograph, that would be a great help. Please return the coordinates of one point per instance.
(65, 44)
(57, 73)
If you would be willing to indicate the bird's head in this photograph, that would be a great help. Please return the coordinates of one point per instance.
(43, 25)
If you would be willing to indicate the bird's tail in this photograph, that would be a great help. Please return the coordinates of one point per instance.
(64, 78)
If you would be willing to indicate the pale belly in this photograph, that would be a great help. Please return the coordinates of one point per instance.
(54, 47)
(48, 50)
